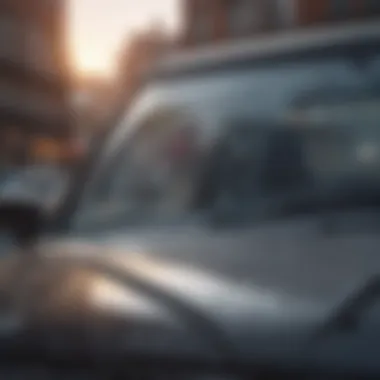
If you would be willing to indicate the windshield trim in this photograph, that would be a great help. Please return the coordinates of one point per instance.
(287, 45)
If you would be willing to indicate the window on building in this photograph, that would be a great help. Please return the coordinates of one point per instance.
(244, 16)
(340, 9)
(11, 43)
(203, 26)
(39, 50)
(373, 6)
(286, 13)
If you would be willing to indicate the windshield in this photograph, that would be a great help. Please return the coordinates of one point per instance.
(252, 136)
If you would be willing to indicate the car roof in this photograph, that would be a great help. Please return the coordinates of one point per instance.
(264, 47)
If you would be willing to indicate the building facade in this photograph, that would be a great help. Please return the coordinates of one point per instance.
(34, 75)
(214, 20)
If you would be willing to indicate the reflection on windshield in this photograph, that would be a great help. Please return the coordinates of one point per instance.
(354, 125)
(298, 163)
(321, 115)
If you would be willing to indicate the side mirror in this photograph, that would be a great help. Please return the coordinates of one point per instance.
(23, 221)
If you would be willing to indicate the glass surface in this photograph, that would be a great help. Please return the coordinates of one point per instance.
(322, 113)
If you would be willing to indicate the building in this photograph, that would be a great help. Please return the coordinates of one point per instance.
(98, 102)
(215, 20)
(140, 54)
(94, 101)
(33, 75)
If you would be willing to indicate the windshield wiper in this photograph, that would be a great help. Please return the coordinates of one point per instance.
(347, 315)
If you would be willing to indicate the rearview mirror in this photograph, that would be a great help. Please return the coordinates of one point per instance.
(23, 221)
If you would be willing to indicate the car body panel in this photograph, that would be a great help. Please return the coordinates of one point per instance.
(269, 289)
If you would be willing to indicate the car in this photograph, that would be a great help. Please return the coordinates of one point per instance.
(42, 185)
(227, 225)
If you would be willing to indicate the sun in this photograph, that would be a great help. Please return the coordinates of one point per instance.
(91, 63)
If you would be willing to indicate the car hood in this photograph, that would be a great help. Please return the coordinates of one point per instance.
(175, 296)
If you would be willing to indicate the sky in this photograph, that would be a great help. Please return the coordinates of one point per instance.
(97, 28)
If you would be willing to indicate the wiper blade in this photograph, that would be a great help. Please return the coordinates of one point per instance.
(347, 315)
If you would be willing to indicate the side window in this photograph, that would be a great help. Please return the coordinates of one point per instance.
(254, 162)
(152, 176)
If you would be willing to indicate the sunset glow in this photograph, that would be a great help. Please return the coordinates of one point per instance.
(98, 28)
(93, 64)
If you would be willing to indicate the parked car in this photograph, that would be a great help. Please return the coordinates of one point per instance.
(227, 227)
(42, 185)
